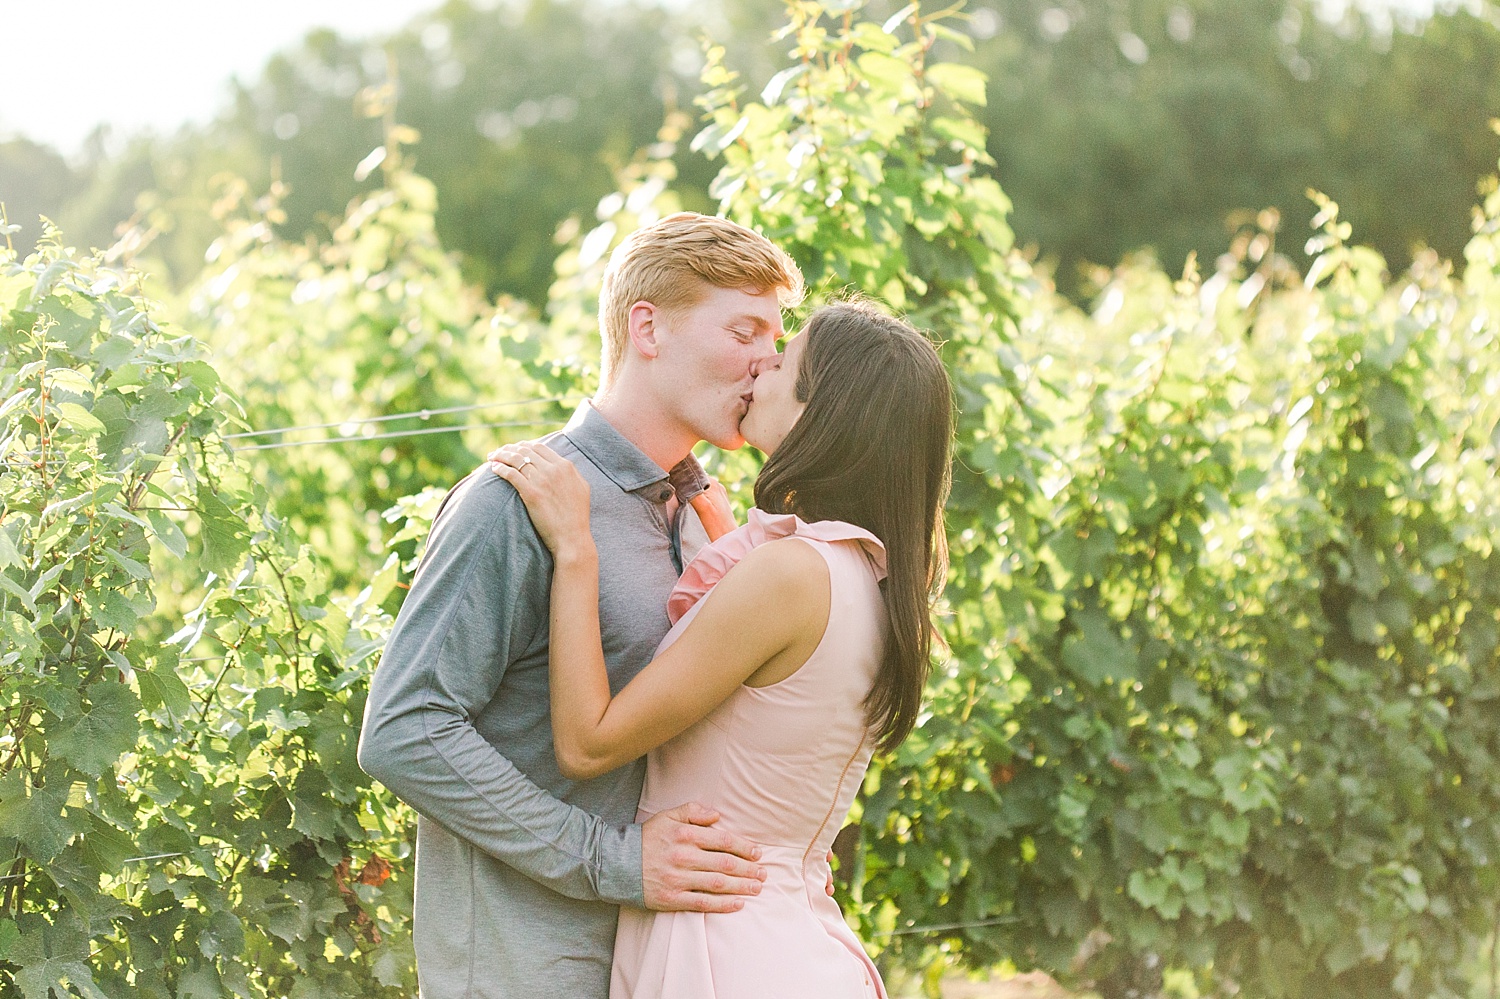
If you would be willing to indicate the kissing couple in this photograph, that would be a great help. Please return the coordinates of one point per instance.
(630, 728)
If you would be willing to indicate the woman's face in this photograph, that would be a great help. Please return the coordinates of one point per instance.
(774, 407)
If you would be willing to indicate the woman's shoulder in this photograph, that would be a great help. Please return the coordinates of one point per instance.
(790, 567)
(773, 531)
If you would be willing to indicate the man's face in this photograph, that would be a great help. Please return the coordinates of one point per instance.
(707, 355)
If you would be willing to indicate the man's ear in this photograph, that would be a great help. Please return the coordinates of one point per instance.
(645, 320)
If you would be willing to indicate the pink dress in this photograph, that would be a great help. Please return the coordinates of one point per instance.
(782, 764)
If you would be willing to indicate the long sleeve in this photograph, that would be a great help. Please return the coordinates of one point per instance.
(477, 606)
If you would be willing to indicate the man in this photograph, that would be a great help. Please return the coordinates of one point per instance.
(519, 870)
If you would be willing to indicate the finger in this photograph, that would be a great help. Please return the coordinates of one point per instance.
(722, 842)
(690, 859)
(693, 813)
(508, 455)
(704, 883)
(699, 902)
(516, 478)
(530, 453)
(509, 474)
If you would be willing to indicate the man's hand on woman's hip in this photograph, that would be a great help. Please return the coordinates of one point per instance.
(687, 865)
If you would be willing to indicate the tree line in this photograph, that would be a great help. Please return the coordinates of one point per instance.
(1160, 125)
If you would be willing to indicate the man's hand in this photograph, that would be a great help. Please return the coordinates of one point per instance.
(688, 866)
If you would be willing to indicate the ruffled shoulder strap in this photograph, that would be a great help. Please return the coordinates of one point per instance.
(716, 559)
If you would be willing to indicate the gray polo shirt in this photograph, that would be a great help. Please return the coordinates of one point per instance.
(520, 870)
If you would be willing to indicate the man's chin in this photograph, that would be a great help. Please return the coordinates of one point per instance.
(731, 443)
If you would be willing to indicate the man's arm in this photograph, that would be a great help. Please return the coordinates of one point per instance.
(477, 603)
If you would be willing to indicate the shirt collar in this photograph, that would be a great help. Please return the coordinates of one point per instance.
(627, 465)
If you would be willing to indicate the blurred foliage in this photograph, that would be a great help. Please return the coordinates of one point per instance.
(1223, 613)
(376, 321)
(1169, 123)
(179, 816)
(1113, 126)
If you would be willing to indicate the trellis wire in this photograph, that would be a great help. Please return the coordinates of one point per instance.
(388, 435)
(420, 414)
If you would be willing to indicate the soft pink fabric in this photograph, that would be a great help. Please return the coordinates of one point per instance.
(782, 765)
(718, 558)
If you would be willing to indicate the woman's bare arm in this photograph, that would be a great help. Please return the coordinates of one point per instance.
(768, 612)
(773, 603)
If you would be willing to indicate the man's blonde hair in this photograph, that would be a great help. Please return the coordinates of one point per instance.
(674, 262)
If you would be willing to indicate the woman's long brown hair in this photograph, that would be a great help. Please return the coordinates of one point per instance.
(872, 448)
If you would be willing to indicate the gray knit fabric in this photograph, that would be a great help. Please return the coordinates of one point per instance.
(520, 870)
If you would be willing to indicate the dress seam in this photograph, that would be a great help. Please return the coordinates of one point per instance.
(832, 806)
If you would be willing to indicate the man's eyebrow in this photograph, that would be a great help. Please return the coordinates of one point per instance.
(755, 322)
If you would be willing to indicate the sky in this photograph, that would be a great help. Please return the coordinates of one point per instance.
(156, 64)
(71, 64)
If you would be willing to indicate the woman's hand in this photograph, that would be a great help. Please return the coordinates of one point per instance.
(556, 496)
(714, 511)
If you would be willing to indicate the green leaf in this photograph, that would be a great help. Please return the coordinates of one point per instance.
(1234, 831)
(962, 83)
(135, 569)
(79, 419)
(63, 976)
(716, 138)
(114, 352)
(33, 816)
(69, 380)
(105, 732)
(202, 375)
(1243, 786)
(9, 554)
(393, 961)
(222, 532)
(202, 982)
(289, 919)
(114, 609)
(53, 959)
(969, 134)
(146, 435)
(1150, 891)
(105, 848)
(1095, 653)
(167, 532)
(75, 324)
(162, 688)
(959, 38)
(778, 83)
(224, 936)
(894, 74)
(18, 591)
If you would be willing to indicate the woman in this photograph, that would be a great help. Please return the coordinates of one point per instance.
(800, 644)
